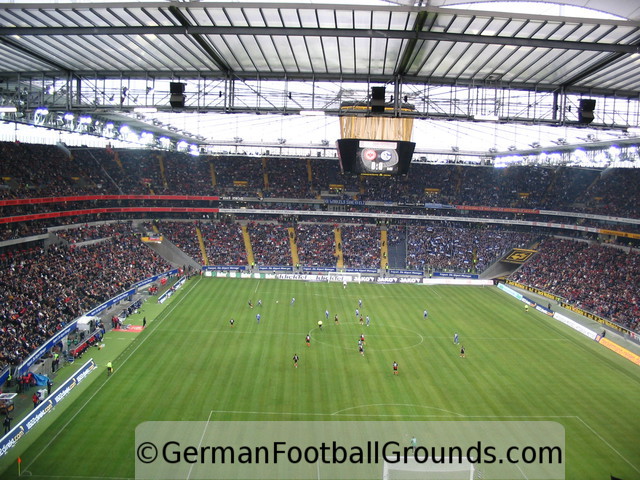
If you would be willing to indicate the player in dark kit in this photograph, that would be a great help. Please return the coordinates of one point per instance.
(462, 351)
(231, 322)
(295, 360)
(308, 340)
(395, 368)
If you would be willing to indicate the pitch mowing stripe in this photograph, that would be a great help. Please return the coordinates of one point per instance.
(204, 432)
(139, 344)
(205, 366)
(609, 445)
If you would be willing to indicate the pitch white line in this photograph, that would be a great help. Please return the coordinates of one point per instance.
(24, 474)
(173, 306)
(367, 415)
(523, 474)
(397, 405)
(417, 415)
(608, 444)
(206, 425)
(519, 416)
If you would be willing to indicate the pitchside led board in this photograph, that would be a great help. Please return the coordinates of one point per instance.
(374, 157)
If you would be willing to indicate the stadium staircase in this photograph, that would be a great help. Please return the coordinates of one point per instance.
(309, 172)
(459, 179)
(167, 250)
(265, 174)
(162, 171)
(294, 246)
(509, 263)
(247, 245)
(212, 171)
(338, 238)
(172, 254)
(549, 191)
(384, 249)
(397, 254)
(203, 250)
(116, 157)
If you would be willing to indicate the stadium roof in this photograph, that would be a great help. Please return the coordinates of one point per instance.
(449, 59)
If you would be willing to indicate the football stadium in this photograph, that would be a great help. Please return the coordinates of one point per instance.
(373, 239)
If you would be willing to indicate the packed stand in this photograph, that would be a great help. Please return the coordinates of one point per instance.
(287, 178)
(453, 248)
(45, 171)
(239, 176)
(316, 244)
(566, 186)
(30, 171)
(42, 291)
(326, 172)
(601, 279)
(360, 246)
(270, 244)
(224, 243)
(182, 234)
(188, 173)
(87, 232)
(614, 193)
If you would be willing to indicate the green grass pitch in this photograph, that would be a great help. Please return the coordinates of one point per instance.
(190, 364)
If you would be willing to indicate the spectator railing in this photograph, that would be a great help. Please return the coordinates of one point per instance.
(67, 329)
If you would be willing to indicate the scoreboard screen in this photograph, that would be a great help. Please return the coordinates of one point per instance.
(375, 157)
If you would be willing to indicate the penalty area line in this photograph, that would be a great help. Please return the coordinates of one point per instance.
(608, 444)
(204, 431)
(83, 477)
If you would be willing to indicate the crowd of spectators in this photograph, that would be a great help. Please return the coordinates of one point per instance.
(33, 171)
(239, 176)
(326, 173)
(270, 243)
(360, 246)
(601, 279)
(287, 178)
(182, 234)
(37, 171)
(224, 243)
(316, 244)
(87, 232)
(40, 291)
(614, 193)
(455, 248)
(48, 171)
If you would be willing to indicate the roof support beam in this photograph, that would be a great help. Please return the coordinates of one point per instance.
(33, 54)
(409, 51)
(195, 31)
(199, 39)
